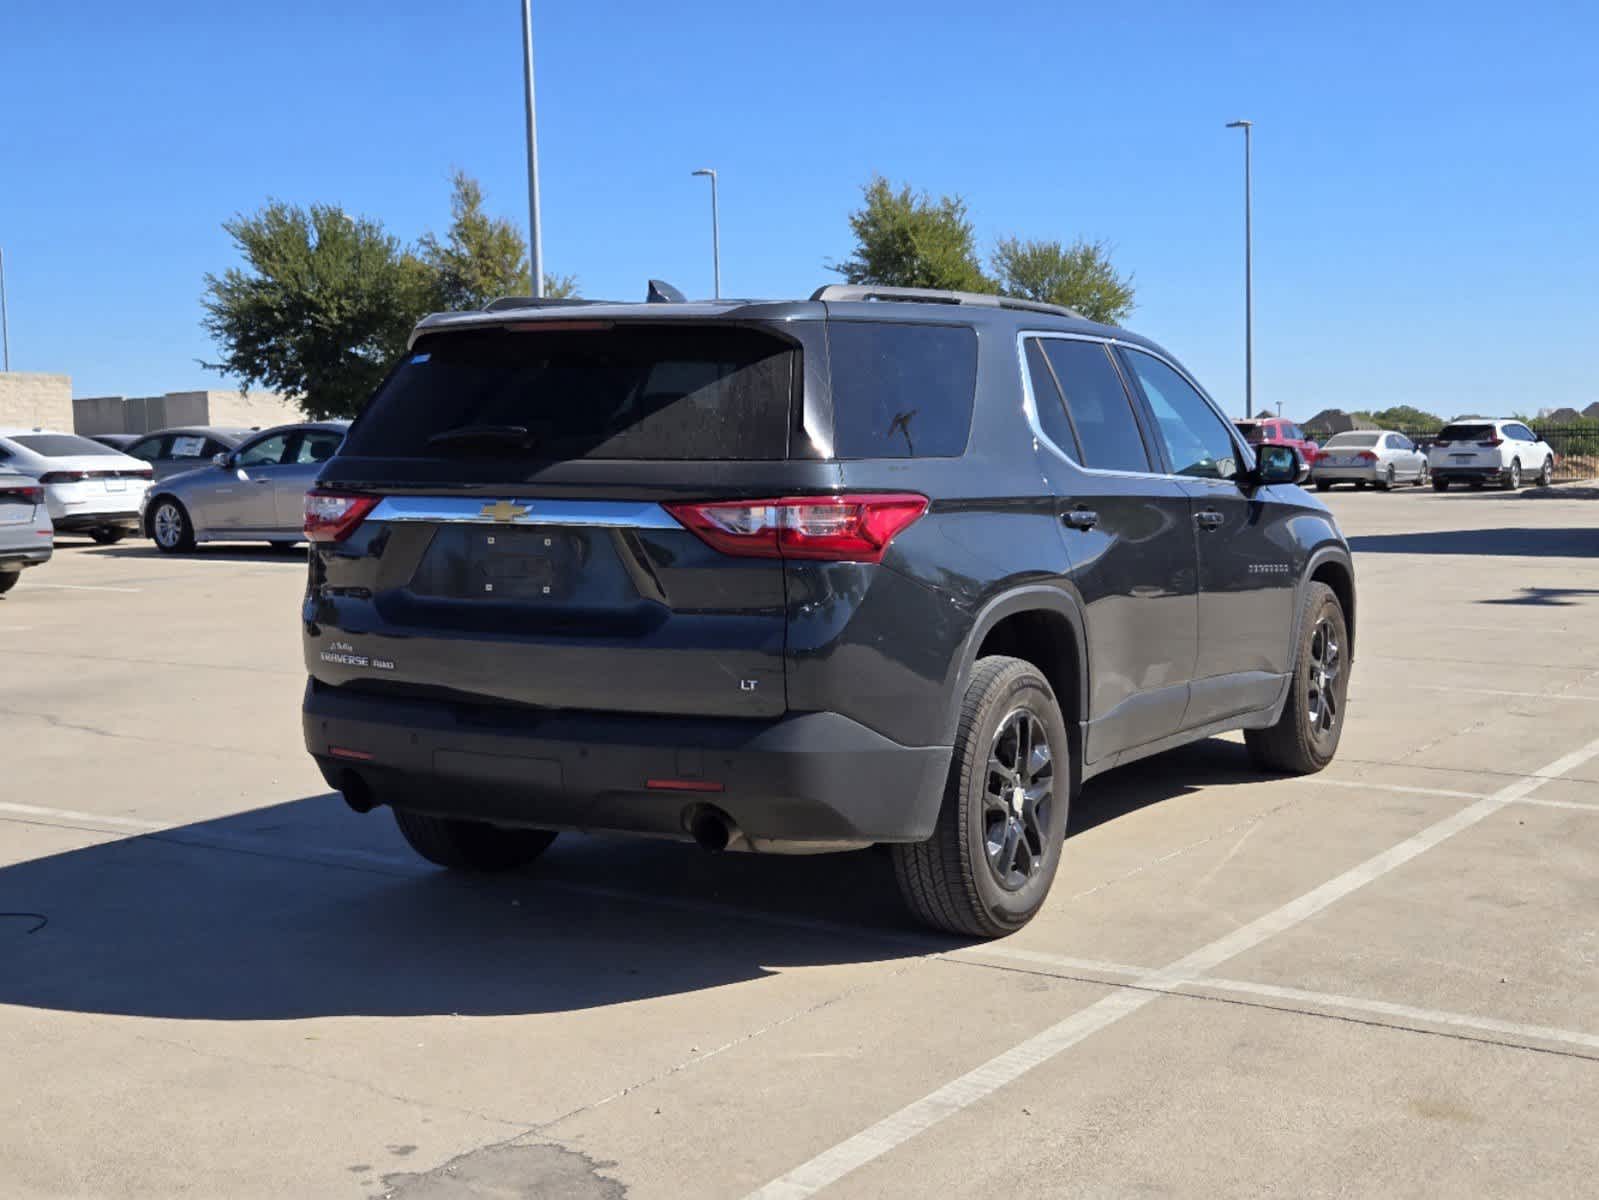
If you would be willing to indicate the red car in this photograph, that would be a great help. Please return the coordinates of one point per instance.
(1279, 431)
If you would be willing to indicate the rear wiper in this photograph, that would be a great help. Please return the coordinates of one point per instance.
(513, 436)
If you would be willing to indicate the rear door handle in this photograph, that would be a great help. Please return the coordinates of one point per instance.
(1081, 518)
(1209, 519)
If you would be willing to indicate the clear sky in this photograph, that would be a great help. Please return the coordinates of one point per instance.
(1426, 174)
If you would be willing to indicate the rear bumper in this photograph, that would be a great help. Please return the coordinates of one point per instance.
(78, 522)
(807, 782)
(1485, 474)
(1344, 474)
(14, 558)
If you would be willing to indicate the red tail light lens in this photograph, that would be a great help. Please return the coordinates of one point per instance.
(850, 528)
(1491, 443)
(333, 516)
(28, 495)
(1367, 455)
(63, 477)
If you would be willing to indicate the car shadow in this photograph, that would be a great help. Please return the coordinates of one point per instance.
(209, 551)
(1545, 597)
(303, 909)
(1513, 543)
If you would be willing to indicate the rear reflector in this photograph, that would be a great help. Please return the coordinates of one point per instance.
(848, 528)
(333, 516)
(351, 755)
(682, 785)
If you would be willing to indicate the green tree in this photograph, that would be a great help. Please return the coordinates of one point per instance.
(560, 287)
(906, 239)
(323, 305)
(1079, 276)
(1406, 417)
(481, 258)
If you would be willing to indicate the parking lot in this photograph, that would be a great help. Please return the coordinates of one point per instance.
(217, 980)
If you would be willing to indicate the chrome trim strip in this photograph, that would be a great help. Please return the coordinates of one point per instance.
(592, 514)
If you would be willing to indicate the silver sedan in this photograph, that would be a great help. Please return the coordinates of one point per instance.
(254, 492)
(26, 536)
(1380, 457)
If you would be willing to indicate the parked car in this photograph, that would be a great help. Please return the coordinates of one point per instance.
(26, 536)
(253, 492)
(1483, 450)
(117, 441)
(88, 488)
(805, 576)
(1276, 431)
(1381, 457)
(185, 448)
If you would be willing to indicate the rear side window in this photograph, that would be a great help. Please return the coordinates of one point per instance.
(901, 391)
(1047, 399)
(1467, 433)
(1099, 406)
(60, 445)
(670, 392)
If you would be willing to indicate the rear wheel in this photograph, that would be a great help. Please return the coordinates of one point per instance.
(1386, 483)
(1546, 476)
(284, 547)
(1421, 476)
(471, 845)
(1323, 487)
(108, 537)
(1512, 480)
(1440, 485)
(171, 528)
(993, 854)
(8, 580)
(1360, 485)
(1305, 737)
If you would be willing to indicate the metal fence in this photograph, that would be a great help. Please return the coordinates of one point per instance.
(1576, 445)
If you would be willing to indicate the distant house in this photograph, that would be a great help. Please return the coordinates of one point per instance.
(1592, 411)
(1334, 420)
(1561, 416)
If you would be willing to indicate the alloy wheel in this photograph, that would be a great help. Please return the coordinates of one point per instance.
(168, 525)
(1325, 665)
(1018, 795)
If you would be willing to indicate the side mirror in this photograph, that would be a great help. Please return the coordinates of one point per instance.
(1279, 464)
(220, 460)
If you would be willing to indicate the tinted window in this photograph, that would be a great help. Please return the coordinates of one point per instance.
(1467, 433)
(60, 445)
(1293, 433)
(317, 446)
(1099, 406)
(1351, 439)
(148, 449)
(1052, 417)
(266, 452)
(901, 391)
(628, 391)
(1196, 439)
(1253, 431)
(1521, 433)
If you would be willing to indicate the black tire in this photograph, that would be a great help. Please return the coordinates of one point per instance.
(1360, 485)
(951, 880)
(1421, 476)
(1324, 487)
(8, 580)
(1386, 483)
(1512, 479)
(471, 845)
(1546, 476)
(1440, 485)
(284, 547)
(1476, 485)
(1306, 736)
(108, 537)
(176, 537)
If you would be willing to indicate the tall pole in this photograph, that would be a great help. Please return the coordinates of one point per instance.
(535, 248)
(716, 231)
(5, 324)
(1249, 268)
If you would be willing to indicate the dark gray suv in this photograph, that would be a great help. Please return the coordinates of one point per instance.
(882, 566)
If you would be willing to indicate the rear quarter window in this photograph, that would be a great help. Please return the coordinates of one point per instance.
(61, 445)
(901, 391)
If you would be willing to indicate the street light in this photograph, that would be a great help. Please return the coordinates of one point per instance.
(535, 249)
(716, 230)
(5, 326)
(1249, 271)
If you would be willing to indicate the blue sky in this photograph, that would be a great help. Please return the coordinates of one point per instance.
(1426, 181)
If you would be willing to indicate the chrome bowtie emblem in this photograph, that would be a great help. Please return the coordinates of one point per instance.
(504, 510)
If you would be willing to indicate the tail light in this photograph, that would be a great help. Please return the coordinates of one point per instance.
(1368, 456)
(63, 477)
(140, 473)
(333, 516)
(850, 528)
(28, 495)
(1491, 443)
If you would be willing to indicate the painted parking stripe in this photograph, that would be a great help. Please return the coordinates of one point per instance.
(920, 1115)
(84, 587)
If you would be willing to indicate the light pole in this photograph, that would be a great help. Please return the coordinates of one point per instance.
(535, 249)
(5, 324)
(1249, 270)
(716, 231)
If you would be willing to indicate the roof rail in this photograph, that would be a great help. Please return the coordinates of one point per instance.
(851, 291)
(505, 302)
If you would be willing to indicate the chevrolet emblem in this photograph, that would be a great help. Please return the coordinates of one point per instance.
(504, 511)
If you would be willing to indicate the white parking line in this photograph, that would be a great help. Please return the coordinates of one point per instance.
(1366, 785)
(920, 1115)
(67, 814)
(84, 587)
(1467, 691)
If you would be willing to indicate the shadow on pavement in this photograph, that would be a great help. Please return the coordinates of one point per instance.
(1513, 543)
(1546, 597)
(303, 909)
(214, 551)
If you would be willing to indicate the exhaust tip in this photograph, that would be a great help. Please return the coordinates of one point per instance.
(711, 829)
(357, 792)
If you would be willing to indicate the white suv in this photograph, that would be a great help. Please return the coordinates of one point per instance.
(1480, 450)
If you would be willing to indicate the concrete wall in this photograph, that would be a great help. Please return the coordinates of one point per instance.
(27, 400)
(137, 414)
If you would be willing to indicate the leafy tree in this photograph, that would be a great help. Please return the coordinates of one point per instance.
(907, 239)
(324, 304)
(560, 287)
(1079, 276)
(1404, 416)
(481, 257)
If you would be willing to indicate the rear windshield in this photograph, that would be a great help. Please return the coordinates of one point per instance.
(622, 392)
(901, 391)
(1352, 439)
(61, 445)
(1251, 430)
(1467, 433)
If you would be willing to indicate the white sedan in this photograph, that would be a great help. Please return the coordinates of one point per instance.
(88, 488)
